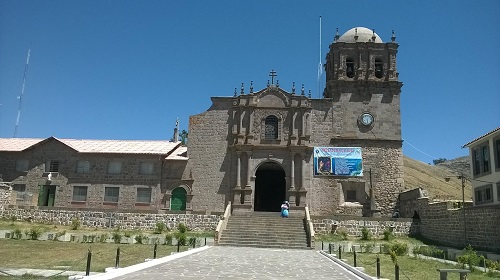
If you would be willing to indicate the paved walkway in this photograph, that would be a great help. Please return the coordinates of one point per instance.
(241, 263)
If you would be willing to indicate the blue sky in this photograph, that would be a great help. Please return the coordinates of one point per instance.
(127, 69)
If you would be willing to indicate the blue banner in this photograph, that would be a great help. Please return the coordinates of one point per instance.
(338, 161)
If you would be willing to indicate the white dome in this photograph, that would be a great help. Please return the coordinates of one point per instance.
(364, 35)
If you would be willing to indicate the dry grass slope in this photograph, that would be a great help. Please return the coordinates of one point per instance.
(432, 179)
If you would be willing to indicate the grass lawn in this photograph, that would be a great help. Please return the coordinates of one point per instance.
(410, 267)
(73, 256)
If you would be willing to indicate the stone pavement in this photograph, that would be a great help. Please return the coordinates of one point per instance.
(240, 263)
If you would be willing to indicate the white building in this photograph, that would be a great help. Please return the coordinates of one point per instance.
(484, 153)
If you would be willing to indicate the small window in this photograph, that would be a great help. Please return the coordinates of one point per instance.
(114, 167)
(146, 168)
(486, 159)
(479, 197)
(349, 68)
(82, 167)
(488, 194)
(379, 68)
(20, 189)
(52, 166)
(481, 160)
(80, 193)
(271, 128)
(143, 195)
(22, 165)
(498, 191)
(350, 196)
(111, 194)
(497, 153)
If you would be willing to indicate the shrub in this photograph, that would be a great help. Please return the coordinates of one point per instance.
(140, 238)
(365, 234)
(430, 251)
(469, 258)
(117, 237)
(33, 233)
(17, 234)
(75, 223)
(168, 239)
(127, 234)
(399, 248)
(367, 248)
(388, 235)
(160, 227)
(342, 233)
(181, 238)
(182, 228)
(192, 240)
(103, 237)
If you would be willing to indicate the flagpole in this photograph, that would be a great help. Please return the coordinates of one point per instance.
(320, 66)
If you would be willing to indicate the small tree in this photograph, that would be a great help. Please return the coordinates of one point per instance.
(438, 161)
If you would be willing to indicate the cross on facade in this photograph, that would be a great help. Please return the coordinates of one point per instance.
(272, 74)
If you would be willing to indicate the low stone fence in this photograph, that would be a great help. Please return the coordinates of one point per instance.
(142, 221)
(354, 225)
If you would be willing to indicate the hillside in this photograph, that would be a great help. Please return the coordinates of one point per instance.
(432, 178)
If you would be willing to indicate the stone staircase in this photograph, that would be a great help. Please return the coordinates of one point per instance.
(265, 230)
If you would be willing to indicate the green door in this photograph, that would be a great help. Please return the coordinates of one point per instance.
(178, 200)
(42, 195)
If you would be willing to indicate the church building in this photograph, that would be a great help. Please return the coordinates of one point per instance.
(338, 154)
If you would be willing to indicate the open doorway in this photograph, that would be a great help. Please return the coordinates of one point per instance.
(270, 187)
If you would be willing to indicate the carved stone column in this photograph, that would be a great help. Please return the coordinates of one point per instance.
(302, 191)
(238, 170)
(291, 191)
(248, 188)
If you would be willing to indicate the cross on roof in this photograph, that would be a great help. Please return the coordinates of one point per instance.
(272, 74)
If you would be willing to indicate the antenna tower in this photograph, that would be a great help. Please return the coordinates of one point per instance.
(22, 93)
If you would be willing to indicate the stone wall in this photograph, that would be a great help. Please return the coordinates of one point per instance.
(354, 225)
(443, 223)
(95, 219)
(5, 195)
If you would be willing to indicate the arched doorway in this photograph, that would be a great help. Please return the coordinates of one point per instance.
(270, 187)
(178, 200)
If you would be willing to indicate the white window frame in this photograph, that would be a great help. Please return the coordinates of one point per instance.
(143, 198)
(146, 168)
(115, 167)
(78, 193)
(82, 167)
(22, 164)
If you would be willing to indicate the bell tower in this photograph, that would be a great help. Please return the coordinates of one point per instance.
(360, 62)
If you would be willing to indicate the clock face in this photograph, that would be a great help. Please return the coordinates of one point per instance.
(366, 119)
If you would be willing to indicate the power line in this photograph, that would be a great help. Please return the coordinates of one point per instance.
(22, 94)
(406, 141)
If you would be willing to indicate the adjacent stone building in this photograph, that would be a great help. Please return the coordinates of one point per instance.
(336, 154)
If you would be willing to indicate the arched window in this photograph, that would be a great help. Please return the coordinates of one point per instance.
(349, 68)
(178, 200)
(271, 128)
(379, 68)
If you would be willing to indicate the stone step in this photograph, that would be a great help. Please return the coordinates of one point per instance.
(291, 234)
(264, 236)
(264, 228)
(275, 246)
